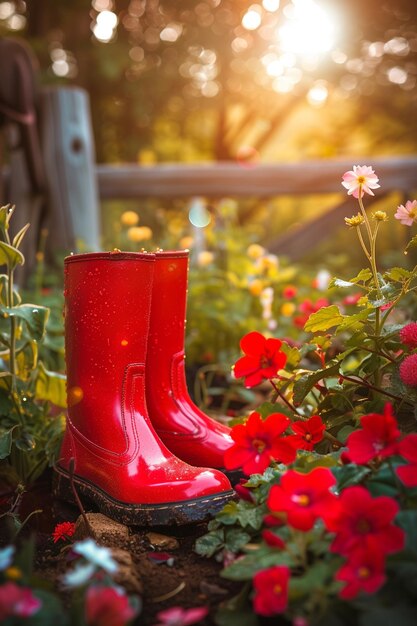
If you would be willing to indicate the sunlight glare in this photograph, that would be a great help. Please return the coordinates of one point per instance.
(308, 29)
(318, 94)
(271, 5)
(252, 18)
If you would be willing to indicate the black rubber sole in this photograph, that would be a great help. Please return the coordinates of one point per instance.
(167, 514)
(235, 476)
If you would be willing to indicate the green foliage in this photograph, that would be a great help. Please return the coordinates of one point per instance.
(31, 396)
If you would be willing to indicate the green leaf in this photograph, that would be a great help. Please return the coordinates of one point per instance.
(363, 277)
(17, 240)
(399, 274)
(25, 442)
(6, 440)
(236, 539)
(51, 386)
(338, 282)
(411, 243)
(323, 319)
(348, 475)
(5, 214)
(354, 322)
(210, 543)
(306, 383)
(10, 256)
(315, 578)
(34, 315)
(408, 521)
(344, 432)
(245, 567)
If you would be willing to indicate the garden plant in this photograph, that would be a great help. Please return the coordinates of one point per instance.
(322, 530)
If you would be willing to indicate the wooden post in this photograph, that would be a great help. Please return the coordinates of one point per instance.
(69, 157)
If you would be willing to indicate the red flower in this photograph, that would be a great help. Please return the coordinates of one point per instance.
(107, 606)
(408, 335)
(63, 531)
(289, 292)
(408, 449)
(258, 442)
(271, 590)
(363, 522)
(243, 492)
(304, 497)
(352, 299)
(17, 601)
(307, 308)
(408, 370)
(308, 433)
(364, 571)
(378, 437)
(272, 540)
(263, 359)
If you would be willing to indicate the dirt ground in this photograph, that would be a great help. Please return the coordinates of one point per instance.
(158, 564)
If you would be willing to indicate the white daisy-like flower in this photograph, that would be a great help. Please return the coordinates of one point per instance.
(80, 575)
(99, 555)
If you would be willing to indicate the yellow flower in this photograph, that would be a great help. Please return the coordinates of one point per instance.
(205, 258)
(269, 262)
(129, 218)
(139, 233)
(13, 573)
(186, 242)
(255, 287)
(288, 309)
(380, 216)
(355, 220)
(255, 251)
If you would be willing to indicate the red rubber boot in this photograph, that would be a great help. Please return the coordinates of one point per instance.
(119, 461)
(186, 431)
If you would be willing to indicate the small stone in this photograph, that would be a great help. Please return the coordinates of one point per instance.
(106, 532)
(162, 541)
(127, 575)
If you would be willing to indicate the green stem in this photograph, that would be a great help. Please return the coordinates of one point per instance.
(363, 244)
(12, 351)
(372, 243)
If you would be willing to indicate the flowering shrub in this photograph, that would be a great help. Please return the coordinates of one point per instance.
(326, 535)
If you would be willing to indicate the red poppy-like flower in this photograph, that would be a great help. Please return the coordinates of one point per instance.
(408, 335)
(289, 292)
(364, 522)
(272, 540)
(364, 571)
(408, 449)
(107, 606)
(378, 437)
(308, 433)
(271, 590)
(263, 359)
(304, 497)
(408, 370)
(17, 601)
(63, 531)
(258, 442)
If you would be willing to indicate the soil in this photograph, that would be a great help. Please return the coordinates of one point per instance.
(179, 578)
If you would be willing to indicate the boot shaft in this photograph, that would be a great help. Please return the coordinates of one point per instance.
(107, 311)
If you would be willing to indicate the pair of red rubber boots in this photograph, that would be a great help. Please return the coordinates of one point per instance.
(135, 444)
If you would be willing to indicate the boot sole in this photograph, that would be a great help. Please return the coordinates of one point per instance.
(167, 514)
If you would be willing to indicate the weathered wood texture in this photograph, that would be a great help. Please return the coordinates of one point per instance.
(230, 179)
(69, 158)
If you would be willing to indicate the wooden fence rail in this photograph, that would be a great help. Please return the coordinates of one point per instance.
(230, 179)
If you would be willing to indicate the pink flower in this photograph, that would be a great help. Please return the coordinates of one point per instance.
(363, 571)
(377, 438)
(360, 180)
(408, 449)
(408, 370)
(17, 601)
(407, 214)
(176, 616)
(408, 335)
(271, 590)
(258, 442)
(263, 358)
(107, 606)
